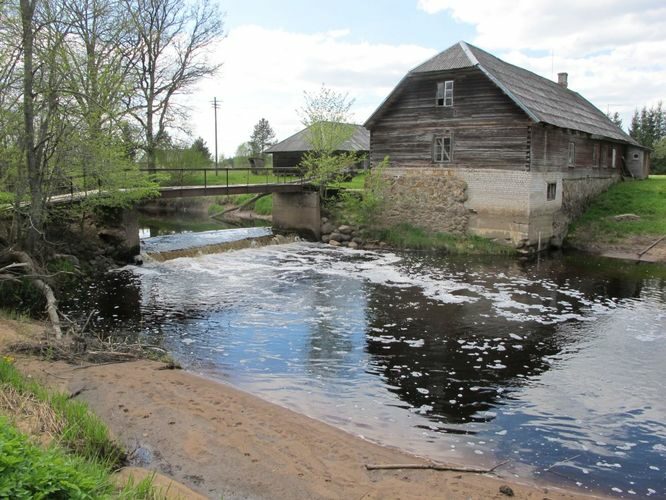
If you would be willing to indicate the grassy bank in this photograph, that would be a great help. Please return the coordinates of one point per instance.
(53, 447)
(406, 236)
(646, 199)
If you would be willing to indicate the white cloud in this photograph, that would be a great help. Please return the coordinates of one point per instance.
(265, 72)
(613, 50)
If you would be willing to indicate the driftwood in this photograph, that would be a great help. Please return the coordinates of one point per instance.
(432, 467)
(650, 247)
(26, 262)
(240, 207)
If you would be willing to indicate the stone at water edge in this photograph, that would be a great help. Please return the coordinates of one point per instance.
(345, 237)
(336, 236)
(344, 229)
(352, 244)
(327, 227)
(505, 490)
(357, 240)
(326, 238)
(334, 243)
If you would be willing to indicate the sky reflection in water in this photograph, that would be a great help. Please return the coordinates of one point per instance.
(557, 364)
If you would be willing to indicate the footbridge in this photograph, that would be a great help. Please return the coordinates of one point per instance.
(296, 203)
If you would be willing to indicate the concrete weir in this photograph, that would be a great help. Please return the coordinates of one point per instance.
(299, 212)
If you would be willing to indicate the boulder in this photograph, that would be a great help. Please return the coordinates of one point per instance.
(326, 238)
(334, 243)
(336, 236)
(327, 227)
(344, 229)
(352, 244)
(357, 240)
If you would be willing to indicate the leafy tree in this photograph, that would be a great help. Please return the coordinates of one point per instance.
(199, 146)
(173, 39)
(659, 157)
(243, 153)
(326, 115)
(262, 137)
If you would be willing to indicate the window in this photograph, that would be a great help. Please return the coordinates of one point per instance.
(604, 156)
(441, 148)
(572, 155)
(595, 155)
(444, 93)
(551, 191)
(613, 158)
(635, 156)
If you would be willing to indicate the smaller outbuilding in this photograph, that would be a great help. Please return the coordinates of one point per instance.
(288, 153)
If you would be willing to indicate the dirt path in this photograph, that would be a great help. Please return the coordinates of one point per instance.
(224, 442)
(650, 248)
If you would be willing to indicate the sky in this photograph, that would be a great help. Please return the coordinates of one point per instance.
(273, 51)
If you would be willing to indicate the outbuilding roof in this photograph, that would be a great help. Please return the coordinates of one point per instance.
(543, 100)
(359, 141)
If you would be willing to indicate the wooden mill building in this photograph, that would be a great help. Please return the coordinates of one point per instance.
(288, 153)
(477, 144)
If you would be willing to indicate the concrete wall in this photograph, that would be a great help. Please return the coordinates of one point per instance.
(637, 162)
(300, 212)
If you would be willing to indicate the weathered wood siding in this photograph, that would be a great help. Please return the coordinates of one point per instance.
(487, 128)
(550, 152)
(287, 160)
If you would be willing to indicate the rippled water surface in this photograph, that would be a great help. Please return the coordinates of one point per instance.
(559, 364)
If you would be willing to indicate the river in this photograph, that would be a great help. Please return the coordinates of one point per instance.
(557, 364)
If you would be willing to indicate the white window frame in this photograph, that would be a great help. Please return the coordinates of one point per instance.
(444, 95)
(571, 158)
(440, 153)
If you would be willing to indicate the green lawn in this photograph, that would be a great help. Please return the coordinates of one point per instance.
(646, 198)
(357, 182)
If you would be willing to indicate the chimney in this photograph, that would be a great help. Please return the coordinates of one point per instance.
(563, 79)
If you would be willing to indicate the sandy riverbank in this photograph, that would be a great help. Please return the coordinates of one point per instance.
(223, 442)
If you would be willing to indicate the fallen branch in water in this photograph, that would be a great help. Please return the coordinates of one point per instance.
(432, 467)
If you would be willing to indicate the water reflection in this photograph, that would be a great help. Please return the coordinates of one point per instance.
(556, 363)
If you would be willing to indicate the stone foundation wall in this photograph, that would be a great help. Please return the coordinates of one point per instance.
(433, 199)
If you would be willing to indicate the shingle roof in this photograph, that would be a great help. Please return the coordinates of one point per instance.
(359, 141)
(543, 100)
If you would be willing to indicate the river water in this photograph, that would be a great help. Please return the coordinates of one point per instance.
(557, 363)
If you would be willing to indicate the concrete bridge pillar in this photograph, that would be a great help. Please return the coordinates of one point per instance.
(300, 212)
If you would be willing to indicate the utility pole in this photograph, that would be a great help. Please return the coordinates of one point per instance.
(216, 106)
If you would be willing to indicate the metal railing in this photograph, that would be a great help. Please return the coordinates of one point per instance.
(225, 177)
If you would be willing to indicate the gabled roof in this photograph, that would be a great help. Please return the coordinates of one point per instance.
(542, 100)
(359, 141)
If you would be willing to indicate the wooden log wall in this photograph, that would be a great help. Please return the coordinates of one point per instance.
(487, 128)
(550, 151)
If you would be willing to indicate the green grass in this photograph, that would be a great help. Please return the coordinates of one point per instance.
(646, 199)
(264, 206)
(79, 462)
(356, 182)
(410, 237)
(211, 179)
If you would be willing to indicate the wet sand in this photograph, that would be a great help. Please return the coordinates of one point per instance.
(220, 441)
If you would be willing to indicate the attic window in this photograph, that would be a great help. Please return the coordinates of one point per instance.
(635, 156)
(572, 154)
(441, 148)
(444, 93)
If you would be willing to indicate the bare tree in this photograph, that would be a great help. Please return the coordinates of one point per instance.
(173, 39)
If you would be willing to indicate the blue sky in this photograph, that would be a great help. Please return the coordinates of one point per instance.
(613, 51)
(378, 21)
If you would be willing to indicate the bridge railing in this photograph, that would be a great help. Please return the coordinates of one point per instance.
(84, 184)
(218, 177)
